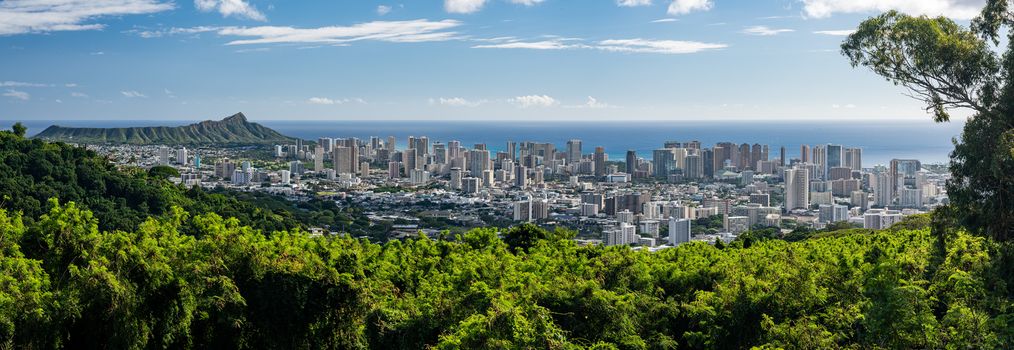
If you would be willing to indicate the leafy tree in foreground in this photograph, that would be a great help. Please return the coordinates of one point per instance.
(949, 66)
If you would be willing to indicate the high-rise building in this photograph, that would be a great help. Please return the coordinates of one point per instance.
(694, 168)
(708, 160)
(679, 231)
(839, 173)
(854, 158)
(439, 153)
(573, 151)
(523, 210)
(391, 144)
(394, 169)
(456, 176)
(833, 213)
(804, 154)
(744, 161)
(478, 162)
(833, 158)
(883, 190)
(600, 161)
(224, 169)
(819, 155)
(860, 199)
(664, 162)
(343, 160)
(631, 161)
(410, 157)
(756, 154)
(902, 174)
(781, 157)
(181, 156)
(520, 176)
(327, 143)
(910, 198)
(318, 158)
(797, 188)
(163, 155)
(512, 150)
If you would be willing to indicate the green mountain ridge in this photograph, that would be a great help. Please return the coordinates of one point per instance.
(231, 130)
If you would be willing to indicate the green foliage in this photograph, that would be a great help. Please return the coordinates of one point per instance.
(33, 171)
(163, 172)
(949, 66)
(19, 129)
(184, 281)
(524, 236)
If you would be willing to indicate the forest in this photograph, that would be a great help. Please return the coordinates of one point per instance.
(125, 260)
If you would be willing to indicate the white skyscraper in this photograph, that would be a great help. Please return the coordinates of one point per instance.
(181, 156)
(318, 158)
(797, 189)
(679, 231)
(163, 156)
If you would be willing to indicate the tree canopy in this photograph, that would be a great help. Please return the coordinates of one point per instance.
(950, 66)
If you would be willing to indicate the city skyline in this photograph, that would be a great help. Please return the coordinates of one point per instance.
(444, 60)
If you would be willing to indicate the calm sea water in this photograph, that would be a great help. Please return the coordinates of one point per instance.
(881, 140)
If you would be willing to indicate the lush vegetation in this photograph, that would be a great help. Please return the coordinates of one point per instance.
(949, 66)
(234, 130)
(128, 260)
(32, 171)
(224, 285)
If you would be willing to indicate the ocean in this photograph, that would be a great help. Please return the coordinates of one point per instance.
(881, 140)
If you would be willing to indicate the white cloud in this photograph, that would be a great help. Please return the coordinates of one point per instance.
(230, 8)
(391, 31)
(20, 95)
(534, 101)
(457, 102)
(322, 101)
(958, 9)
(463, 6)
(657, 46)
(21, 84)
(330, 101)
(682, 7)
(38, 16)
(526, 2)
(383, 10)
(613, 45)
(592, 103)
(765, 31)
(554, 44)
(664, 20)
(132, 94)
(78, 94)
(472, 6)
(158, 33)
(844, 32)
(632, 3)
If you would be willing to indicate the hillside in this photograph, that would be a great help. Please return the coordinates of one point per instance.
(32, 171)
(232, 130)
(90, 271)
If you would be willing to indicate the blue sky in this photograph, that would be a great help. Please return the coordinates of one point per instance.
(444, 59)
